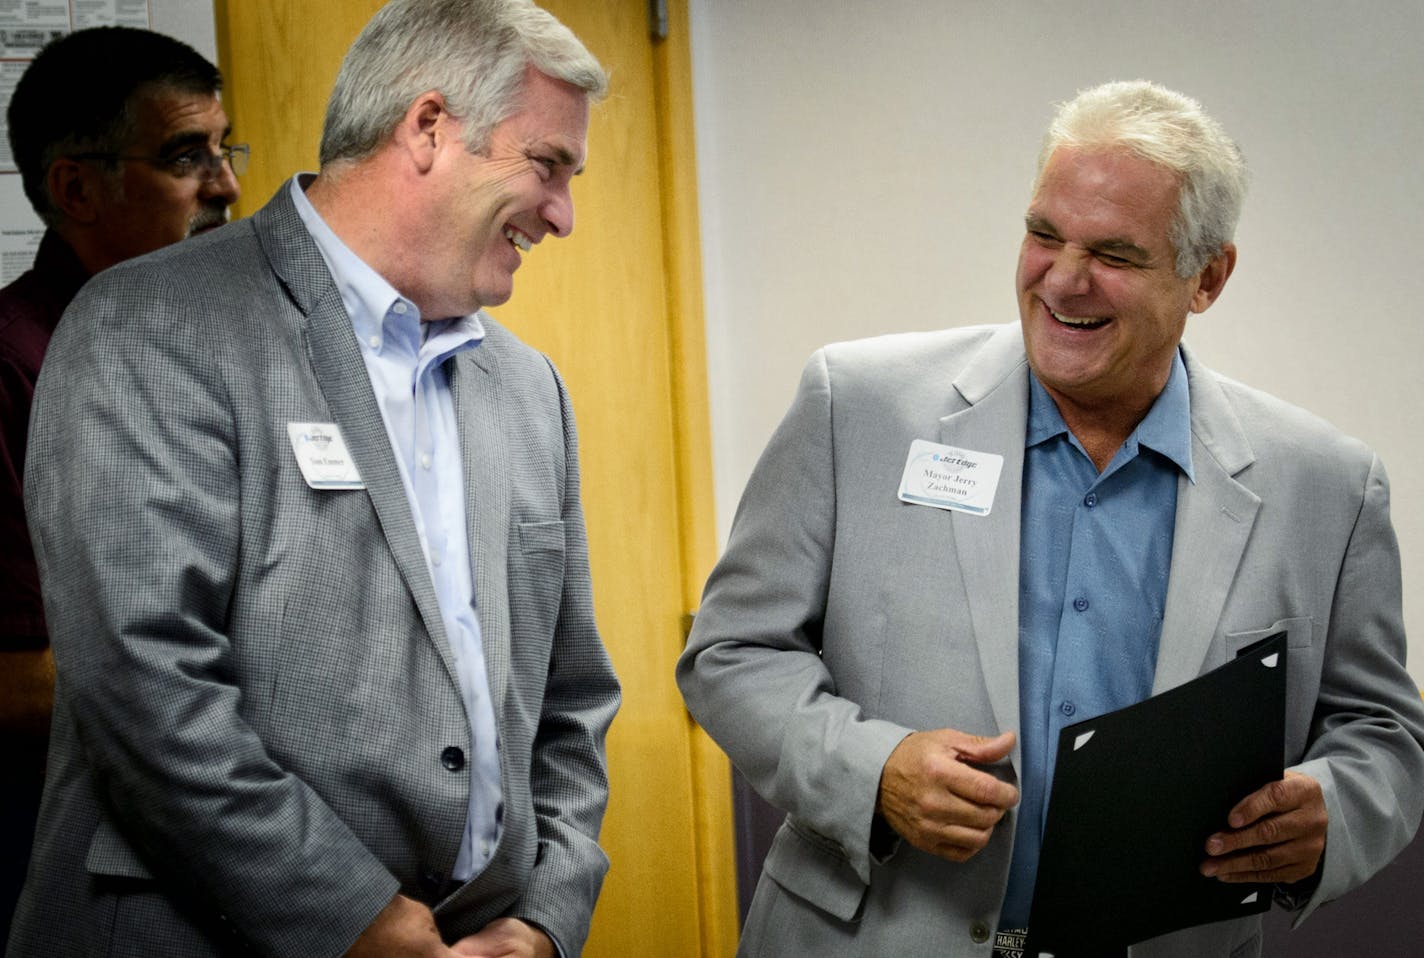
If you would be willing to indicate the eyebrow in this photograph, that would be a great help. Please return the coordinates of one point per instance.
(189, 138)
(1034, 222)
(563, 157)
(1124, 249)
(1114, 246)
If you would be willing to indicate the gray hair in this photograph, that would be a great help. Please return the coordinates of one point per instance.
(1173, 131)
(474, 52)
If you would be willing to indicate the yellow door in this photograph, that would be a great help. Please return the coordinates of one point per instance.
(618, 307)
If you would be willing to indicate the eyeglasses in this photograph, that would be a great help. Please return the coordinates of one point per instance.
(198, 162)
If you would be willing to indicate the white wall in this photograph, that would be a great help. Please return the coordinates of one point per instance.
(865, 166)
(191, 21)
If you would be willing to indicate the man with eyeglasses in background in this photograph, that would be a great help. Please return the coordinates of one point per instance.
(119, 135)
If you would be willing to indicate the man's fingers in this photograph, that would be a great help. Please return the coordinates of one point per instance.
(984, 751)
(958, 844)
(1294, 791)
(1277, 834)
(1284, 863)
(935, 797)
(1282, 811)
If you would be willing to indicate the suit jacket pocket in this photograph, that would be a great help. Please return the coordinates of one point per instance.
(1297, 630)
(813, 868)
(1302, 674)
(536, 582)
(546, 536)
(111, 854)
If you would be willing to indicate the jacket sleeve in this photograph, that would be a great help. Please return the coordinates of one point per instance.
(752, 673)
(568, 774)
(1367, 740)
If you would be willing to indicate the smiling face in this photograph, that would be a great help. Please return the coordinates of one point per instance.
(493, 206)
(1102, 306)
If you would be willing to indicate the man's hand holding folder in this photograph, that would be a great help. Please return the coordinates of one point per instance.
(1276, 834)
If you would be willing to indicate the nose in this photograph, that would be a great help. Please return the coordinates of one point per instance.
(558, 211)
(1068, 272)
(222, 185)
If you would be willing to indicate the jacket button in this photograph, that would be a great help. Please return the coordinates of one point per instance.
(979, 932)
(452, 758)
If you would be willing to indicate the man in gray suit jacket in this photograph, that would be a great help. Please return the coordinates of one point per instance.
(895, 675)
(312, 550)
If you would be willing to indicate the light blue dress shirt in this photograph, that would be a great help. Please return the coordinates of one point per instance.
(1094, 558)
(404, 358)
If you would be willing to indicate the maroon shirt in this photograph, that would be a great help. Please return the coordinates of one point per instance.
(30, 308)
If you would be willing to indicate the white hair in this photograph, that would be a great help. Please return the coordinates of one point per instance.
(1173, 131)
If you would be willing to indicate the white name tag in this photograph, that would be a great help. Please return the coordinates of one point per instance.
(322, 456)
(948, 478)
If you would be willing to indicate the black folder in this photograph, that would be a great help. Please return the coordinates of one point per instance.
(1135, 795)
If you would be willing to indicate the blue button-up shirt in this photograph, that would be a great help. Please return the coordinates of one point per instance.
(1094, 558)
(405, 361)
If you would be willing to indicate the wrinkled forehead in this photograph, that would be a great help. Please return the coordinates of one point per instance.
(165, 116)
(1115, 174)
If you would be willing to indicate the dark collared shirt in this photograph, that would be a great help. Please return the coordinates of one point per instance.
(30, 308)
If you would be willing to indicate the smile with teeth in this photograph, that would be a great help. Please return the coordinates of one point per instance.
(1080, 322)
(518, 238)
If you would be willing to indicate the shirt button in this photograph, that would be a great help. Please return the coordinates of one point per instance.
(453, 758)
(375, 342)
(425, 462)
(398, 308)
(435, 559)
(979, 932)
(1068, 708)
(484, 849)
(1090, 500)
(1081, 604)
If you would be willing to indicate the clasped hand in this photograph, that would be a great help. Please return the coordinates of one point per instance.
(936, 798)
(405, 928)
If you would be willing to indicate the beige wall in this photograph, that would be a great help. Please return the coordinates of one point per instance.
(865, 166)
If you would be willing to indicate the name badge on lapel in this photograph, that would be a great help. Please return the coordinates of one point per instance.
(322, 456)
(944, 477)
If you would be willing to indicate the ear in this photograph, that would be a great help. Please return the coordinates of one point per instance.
(75, 189)
(425, 128)
(1212, 279)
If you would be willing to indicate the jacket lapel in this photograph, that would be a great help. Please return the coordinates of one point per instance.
(1214, 519)
(341, 372)
(474, 383)
(994, 386)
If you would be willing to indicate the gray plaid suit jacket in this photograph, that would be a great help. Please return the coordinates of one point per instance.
(259, 737)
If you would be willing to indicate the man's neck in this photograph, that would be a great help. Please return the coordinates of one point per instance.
(354, 200)
(1102, 428)
(92, 254)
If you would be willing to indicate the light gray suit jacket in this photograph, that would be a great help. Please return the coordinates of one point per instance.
(841, 619)
(259, 736)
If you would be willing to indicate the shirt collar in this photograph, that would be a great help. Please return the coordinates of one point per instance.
(377, 309)
(1166, 429)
